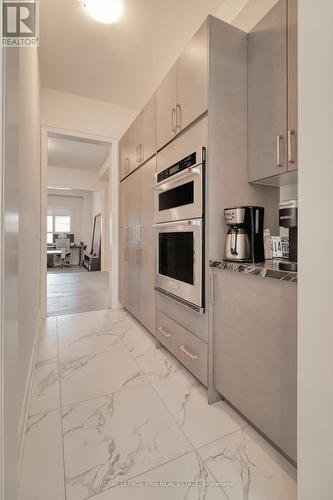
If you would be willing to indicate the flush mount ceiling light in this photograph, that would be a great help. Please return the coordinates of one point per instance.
(104, 11)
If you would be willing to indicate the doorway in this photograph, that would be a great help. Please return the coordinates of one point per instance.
(76, 221)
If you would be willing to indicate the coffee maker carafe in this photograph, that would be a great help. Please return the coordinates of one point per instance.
(244, 241)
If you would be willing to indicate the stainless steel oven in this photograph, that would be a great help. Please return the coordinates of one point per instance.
(179, 189)
(180, 260)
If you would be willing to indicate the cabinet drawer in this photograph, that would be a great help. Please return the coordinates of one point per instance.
(186, 347)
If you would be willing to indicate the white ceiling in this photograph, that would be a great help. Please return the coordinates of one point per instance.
(120, 63)
(123, 63)
(70, 152)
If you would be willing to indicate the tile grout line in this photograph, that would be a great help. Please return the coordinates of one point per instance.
(60, 411)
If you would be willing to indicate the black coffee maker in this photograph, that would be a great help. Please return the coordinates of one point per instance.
(244, 241)
(288, 215)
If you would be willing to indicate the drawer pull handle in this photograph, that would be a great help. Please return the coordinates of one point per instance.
(188, 353)
(163, 332)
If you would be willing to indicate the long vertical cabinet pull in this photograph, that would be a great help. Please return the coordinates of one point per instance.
(278, 150)
(291, 138)
(142, 151)
(178, 117)
(212, 288)
(173, 120)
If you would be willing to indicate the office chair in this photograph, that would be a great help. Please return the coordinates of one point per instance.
(64, 245)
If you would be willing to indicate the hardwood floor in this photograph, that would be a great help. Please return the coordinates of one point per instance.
(75, 292)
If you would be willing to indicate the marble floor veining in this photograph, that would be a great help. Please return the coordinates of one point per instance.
(112, 417)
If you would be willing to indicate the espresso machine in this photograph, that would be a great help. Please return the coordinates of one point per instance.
(288, 214)
(245, 238)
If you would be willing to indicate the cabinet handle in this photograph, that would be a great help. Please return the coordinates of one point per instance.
(178, 117)
(212, 288)
(126, 254)
(163, 332)
(188, 352)
(138, 256)
(278, 146)
(140, 233)
(142, 149)
(173, 119)
(127, 165)
(138, 154)
(291, 135)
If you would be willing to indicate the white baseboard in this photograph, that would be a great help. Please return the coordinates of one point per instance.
(27, 396)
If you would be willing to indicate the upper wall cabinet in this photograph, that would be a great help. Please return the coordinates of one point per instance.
(138, 144)
(182, 95)
(272, 94)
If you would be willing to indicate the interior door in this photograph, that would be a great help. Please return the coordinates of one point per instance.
(267, 95)
(133, 262)
(192, 80)
(166, 97)
(147, 237)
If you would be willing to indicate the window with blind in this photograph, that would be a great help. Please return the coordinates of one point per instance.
(59, 220)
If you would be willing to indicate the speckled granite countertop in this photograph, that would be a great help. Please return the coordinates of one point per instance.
(267, 269)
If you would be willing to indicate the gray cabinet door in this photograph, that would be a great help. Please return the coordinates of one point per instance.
(192, 80)
(267, 95)
(146, 146)
(124, 160)
(255, 352)
(147, 242)
(123, 242)
(133, 260)
(292, 86)
(166, 97)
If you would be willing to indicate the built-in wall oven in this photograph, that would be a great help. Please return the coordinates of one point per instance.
(179, 189)
(179, 217)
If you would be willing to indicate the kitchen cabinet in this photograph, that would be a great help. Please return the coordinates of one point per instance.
(138, 144)
(124, 155)
(166, 99)
(137, 244)
(145, 132)
(182, 95)
(147, 245)
(272, 93)
(192, 71)
(255, 352)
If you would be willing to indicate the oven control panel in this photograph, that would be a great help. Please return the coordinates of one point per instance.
(183, 164)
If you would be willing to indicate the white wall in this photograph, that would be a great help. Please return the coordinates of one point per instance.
(315, 311)
(74, 178)
(21, 240)
(72, 112)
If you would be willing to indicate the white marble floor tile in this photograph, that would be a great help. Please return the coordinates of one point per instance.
(255, 469)
(48, 326)
(79, 344)
(42, 475)
(186, 399)
(185, 478)
(158, 363)
(47, 349)
(45, 394)
(98, 374)
(117, 437)
(136, 339)
(94, 321)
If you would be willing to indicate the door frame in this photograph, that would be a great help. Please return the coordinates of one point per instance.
(113, 193)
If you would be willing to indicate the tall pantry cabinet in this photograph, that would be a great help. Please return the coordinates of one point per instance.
(137, 244)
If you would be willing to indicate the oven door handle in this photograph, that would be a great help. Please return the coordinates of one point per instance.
(185, 223)
(189, 172)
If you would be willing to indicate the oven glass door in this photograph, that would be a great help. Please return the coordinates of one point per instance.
(179, 259)
(180, 197)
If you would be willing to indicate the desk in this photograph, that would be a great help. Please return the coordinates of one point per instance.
(75, 258)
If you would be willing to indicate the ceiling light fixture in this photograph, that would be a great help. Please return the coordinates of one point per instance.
(104, 11)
